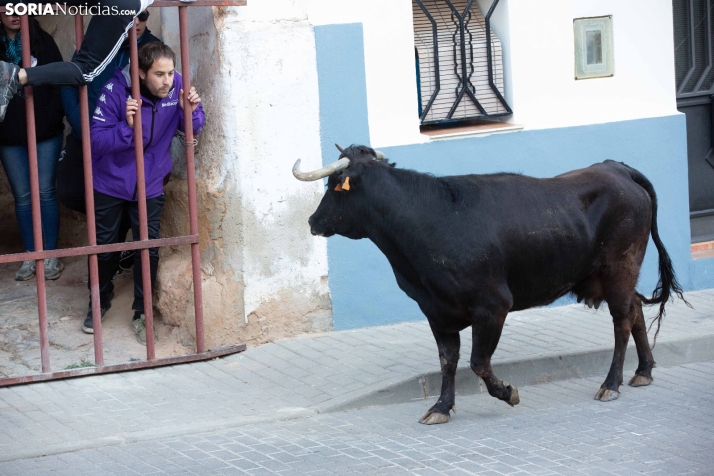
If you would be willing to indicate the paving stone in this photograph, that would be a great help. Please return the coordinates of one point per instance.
(555, 423)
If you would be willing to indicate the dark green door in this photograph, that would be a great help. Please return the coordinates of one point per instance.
(693, 27)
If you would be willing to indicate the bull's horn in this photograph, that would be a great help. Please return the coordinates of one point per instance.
(379, 155)
(341, 164)
(339, 147)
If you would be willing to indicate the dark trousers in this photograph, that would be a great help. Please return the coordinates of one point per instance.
(70, 184)
(70, 176)
(108, 212)
(104, 35)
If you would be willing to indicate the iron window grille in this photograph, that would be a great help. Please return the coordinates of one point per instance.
(459, 62)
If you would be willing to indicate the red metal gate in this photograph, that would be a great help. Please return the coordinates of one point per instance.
(143, 244)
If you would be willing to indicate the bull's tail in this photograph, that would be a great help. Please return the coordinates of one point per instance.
(667, 283)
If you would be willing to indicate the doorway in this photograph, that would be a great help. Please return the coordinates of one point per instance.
(693, 27)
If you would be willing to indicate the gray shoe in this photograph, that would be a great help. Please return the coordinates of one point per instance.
(53, 268)
(9, 85)
(26, 271)
(139, 326)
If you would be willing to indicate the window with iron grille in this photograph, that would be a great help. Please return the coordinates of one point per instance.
(459, 62)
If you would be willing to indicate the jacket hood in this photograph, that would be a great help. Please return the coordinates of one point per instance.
(125, 74)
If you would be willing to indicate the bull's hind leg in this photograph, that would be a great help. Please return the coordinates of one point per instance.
(449, 345)
(643, 374)
(486, 331)
(622, 309)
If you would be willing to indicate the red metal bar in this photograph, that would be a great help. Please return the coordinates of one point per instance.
(96, 249)
(141, 197)
(191, 179)
(89, 206)
(35, 197)
(84, 372)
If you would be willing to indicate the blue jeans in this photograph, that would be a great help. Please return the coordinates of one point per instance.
(17, 168)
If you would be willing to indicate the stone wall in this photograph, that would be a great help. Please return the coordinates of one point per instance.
(264, 275)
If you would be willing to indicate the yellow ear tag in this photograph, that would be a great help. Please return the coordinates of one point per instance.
(346, 184)
(338, 188)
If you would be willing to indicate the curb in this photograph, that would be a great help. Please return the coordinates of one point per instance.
(521, 372)
(538, 370)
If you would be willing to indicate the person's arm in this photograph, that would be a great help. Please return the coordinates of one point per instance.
(110, 131)
(198, 118)
(70, 103)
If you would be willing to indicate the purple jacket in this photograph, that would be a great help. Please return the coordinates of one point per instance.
(113, 158)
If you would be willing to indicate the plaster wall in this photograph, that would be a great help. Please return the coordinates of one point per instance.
(265, 276)
(541, 50)
(538, 50)
(363, 289)
(388, 44)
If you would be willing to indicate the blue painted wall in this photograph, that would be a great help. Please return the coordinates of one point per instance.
(364, 291)
(343, 89)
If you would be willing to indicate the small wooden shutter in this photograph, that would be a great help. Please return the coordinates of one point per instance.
(449, 44)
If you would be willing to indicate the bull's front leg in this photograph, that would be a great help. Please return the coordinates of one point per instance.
(449, 345)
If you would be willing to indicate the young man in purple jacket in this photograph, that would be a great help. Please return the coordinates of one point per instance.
(114, 165)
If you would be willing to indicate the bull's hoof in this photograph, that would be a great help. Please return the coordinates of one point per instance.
(605, 395)
(432, 418)
(640, 381)
(515, 399)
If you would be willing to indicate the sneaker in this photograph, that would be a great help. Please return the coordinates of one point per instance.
(139, 326)
(88, 325)
(53, 268)
(126, 260)
(9, 85)
(26, 271)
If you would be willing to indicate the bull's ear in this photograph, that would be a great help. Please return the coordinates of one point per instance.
(344, 186)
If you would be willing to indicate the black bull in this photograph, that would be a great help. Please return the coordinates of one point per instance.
(470, 249)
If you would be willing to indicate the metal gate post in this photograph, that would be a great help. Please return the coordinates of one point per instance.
(191, 179)
(89, 206)
(35, 197)
(141, 195)
(143, 243)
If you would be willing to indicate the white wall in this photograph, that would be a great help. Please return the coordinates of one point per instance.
(269, 51)
(389, 63)
(255, 68)
(545, 93)
(537, 37)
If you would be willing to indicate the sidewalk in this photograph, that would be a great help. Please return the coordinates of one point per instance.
(304, 376)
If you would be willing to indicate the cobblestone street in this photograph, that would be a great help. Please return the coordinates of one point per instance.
(666, 428)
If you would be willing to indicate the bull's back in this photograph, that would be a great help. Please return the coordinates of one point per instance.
(544, 236)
